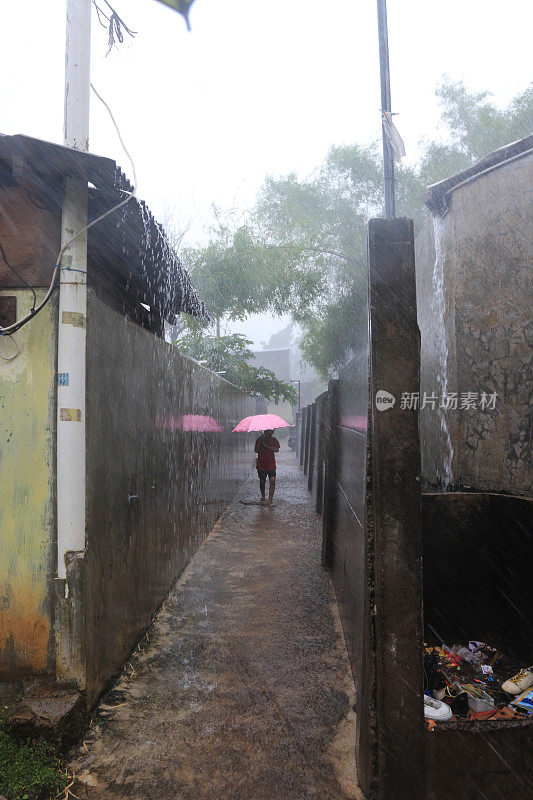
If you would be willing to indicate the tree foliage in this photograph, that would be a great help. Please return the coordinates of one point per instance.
(231, 355)
(302, 249)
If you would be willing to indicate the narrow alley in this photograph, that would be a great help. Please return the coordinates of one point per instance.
(241, 688)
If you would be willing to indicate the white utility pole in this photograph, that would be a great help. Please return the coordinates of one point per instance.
(71, 404)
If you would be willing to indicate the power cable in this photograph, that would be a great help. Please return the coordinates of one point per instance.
(9, 329)
(10, 358)
(130, 159)
(114, 25)
(20, 277)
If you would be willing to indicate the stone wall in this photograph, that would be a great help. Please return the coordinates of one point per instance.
(475, 301)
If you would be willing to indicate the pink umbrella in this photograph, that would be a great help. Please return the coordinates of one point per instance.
(356, 423)
(260, 422)
(199, 422)
(189, 422)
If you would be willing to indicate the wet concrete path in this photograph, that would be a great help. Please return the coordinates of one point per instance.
(241, 690)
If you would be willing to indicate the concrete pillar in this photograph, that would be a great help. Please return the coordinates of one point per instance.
(395, 512)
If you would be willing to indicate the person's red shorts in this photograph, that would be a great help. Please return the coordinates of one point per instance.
(264, 472)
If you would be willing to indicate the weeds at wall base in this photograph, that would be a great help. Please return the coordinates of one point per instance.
(29, 769)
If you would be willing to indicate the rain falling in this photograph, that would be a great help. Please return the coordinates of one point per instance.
(266, 517)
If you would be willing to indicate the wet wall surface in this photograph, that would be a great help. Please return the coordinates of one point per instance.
(349, 564)
(487, 761)
(162, 464)
(477, 551)
(27, 478)
(474, 301)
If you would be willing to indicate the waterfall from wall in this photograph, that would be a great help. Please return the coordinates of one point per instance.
(441, 347)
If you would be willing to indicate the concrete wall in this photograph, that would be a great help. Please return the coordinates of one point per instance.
(378, 529)
(27, 507)
(477, 552)
(475, 301)
(154, 491)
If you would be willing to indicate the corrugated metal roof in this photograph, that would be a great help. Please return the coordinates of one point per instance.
(128, 251)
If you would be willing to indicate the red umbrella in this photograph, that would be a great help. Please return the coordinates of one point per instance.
(260, 422)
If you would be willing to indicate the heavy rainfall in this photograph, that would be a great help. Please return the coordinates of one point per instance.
(266, 510)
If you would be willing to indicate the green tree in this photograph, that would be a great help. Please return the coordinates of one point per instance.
(476, 126)
(231, 355)
(302, 250)
(238, 274)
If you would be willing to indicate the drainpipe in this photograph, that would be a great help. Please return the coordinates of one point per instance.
(71, 404)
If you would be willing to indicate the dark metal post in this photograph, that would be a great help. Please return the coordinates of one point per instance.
(299, 393)
(321, 451)
(329, 513)
(308, 437)
(312, 448)
(302, 436)
(298, 433)
(388, 160)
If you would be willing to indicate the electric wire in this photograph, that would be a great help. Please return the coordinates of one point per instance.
(10, 358)
(114, 25)
(15, 326)
(20, 277)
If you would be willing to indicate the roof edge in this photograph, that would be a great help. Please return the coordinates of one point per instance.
(439, 194)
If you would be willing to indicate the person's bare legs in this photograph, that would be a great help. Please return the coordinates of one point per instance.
(262, 485)
(271, 490)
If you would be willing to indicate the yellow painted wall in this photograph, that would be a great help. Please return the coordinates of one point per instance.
(27, 455)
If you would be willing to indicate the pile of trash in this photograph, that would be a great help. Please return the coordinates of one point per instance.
(475, 682)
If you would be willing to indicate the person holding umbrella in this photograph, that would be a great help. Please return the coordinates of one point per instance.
(266, 446)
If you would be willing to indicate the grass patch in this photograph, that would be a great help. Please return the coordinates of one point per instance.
(29, 770)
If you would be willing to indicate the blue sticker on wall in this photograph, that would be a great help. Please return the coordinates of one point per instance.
(62, 378)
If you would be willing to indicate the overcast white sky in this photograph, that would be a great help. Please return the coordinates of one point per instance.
(258, 87)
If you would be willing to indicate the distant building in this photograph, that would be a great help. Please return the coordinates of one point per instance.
(287, 365)
(279, 361)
